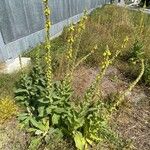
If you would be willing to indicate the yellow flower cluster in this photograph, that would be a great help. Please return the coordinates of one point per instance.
(47, 11)
(48, 58)
(47, 18)
(94, 49)
(47, 26)
(105, 64)
(107, 60)
(82, 21)
(70, 41)
(125, 42)
(8, 109)
(75, 33)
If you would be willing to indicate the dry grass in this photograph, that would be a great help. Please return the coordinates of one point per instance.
(11, 137)
(109, 26)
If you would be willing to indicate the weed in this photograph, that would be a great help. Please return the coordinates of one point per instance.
(146, 76)
(8, 109)
(7, 83)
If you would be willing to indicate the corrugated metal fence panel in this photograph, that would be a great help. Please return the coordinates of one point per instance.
(22, 21)
(5, 24)
(59, 9)
(34, 17)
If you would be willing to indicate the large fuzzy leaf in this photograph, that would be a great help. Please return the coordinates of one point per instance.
(80, 141)
(37, 124)
(35, 143)
(20, 91)
(55, 119)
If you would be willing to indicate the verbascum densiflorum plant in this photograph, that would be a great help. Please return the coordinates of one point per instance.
(122, 95)
(94, 90)
(73, 42)
(70, 42)
(56, 111)
(80, 27)
(48, 58)
(123, 46)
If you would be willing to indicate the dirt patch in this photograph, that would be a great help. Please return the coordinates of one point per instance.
(11, 137)
(113, 82)
(133, 123)
(83, 77)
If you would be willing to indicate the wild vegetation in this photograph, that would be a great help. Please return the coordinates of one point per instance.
(8, 108)
(51, 111)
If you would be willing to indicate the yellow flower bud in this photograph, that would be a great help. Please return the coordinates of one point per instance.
(108, 53)
(104, 54)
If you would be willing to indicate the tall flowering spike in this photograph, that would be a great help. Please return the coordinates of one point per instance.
(74, 38)
(94, 90)
(107, 60)
(82, 23)
(70, 42)
(48, 58)
(73, 43)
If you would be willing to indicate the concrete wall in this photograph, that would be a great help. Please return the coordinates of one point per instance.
(22, 22)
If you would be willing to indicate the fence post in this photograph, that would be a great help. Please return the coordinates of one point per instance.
(1, 47)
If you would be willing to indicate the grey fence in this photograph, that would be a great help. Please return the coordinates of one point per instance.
(22, 22)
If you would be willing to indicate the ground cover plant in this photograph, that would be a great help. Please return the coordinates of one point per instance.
(8, 109)
(52, 112)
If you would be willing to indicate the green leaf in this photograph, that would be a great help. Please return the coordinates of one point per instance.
(20, 98)
(18, 91)
(35, 143)
(38, 132)
(90, 142)
(23, 116)
(55, 119)
(79, 140)
(25, 122)
(95, 137)
(38, 125)
(42, 101)
(60, 110)
(31, 130)
(50, 109)
(41, 111)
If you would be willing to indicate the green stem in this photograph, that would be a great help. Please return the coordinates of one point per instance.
(133, 84)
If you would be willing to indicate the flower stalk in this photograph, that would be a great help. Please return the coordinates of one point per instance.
(48, 58)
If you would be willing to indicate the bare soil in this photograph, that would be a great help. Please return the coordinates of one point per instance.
(12, 137)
